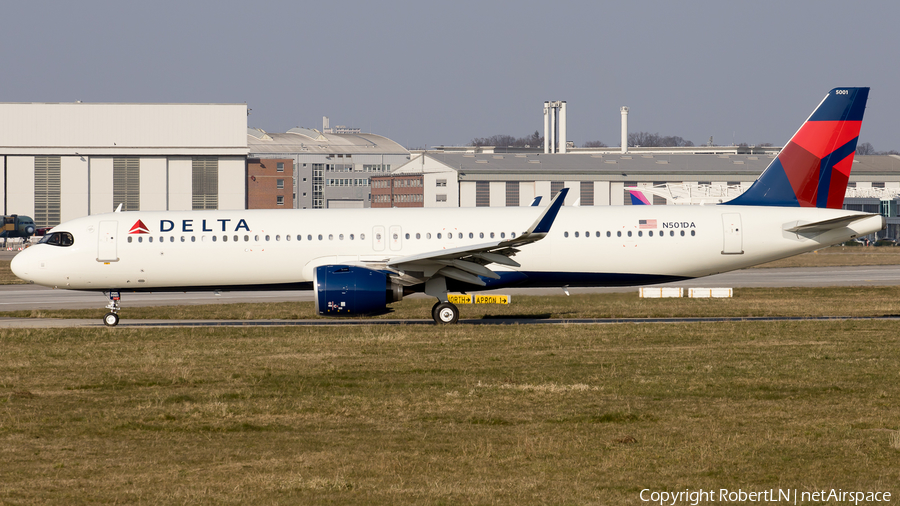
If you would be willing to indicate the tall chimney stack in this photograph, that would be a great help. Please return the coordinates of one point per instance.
(546, 127)
(624, 129)
(562, 127)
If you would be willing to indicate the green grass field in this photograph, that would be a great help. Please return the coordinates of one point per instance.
(459, 415)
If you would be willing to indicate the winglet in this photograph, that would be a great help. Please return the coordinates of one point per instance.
(536, 202)
(545, 220)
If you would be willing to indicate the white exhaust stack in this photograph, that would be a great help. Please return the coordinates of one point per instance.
(624, 129)
(562, 127)
(555, 119)
(546, 127)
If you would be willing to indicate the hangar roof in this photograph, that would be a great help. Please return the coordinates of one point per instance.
(311, 141)
(123, 129)
(642, 167)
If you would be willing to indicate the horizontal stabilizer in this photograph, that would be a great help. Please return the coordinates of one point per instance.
(826, 225)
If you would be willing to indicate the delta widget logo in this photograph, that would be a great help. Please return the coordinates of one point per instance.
(139, 228)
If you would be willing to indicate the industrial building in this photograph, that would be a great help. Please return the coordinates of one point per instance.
(514, 179)
(64, 161)
(331, 170)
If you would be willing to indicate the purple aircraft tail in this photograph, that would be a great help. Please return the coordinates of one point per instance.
(638, 198)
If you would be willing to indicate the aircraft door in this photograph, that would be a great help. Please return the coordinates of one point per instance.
(378, 238)
(733, 234)
(107, 242)
(396, 238)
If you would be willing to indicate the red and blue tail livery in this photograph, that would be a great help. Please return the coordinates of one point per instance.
(812, 170)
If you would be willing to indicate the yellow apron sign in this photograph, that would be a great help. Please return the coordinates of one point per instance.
(459, 299)
(479, 299)
(492, 299)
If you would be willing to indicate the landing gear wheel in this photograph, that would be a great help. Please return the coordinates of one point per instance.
(434, 310)
(111, 319)
(445, 313)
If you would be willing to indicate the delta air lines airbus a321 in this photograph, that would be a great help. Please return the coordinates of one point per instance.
(359, 261)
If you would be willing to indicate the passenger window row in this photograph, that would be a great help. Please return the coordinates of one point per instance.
(629, 233)
(309, 237)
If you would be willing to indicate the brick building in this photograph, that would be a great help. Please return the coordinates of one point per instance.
(270, 183)
(400, 190)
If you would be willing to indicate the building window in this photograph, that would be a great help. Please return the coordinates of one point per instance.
(440, 197)
(279, 200)
(127, 183)
(660, 200)
(555, 187)
(205, 179)
(279, 183)
(482, 194)
(279, 166)
(512, 193)
(587, 193)
(318, 185)
(47, 187)
(440, 183)
(629, 184)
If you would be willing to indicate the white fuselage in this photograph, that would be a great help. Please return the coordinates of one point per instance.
(586, 246)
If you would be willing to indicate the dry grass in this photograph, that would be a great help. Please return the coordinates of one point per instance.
(747, 302)
(6, 275)
(471, 415)
(840, 256)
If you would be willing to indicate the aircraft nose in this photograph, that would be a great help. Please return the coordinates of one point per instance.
(23, 265)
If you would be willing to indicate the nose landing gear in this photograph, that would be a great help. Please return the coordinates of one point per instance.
(111, 319)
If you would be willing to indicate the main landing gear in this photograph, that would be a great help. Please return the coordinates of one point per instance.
(111, 319)
(445, 313)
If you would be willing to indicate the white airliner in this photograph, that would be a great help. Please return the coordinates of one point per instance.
(359, 261)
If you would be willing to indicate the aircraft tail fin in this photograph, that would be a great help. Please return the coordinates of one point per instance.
(638, 198)
(812, 169)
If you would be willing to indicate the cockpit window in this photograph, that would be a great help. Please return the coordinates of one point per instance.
(58, 239)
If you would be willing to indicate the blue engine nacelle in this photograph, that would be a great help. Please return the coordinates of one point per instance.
(346, 290)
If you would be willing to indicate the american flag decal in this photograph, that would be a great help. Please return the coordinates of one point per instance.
(644, 224)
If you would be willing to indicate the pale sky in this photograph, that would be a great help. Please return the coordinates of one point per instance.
(429, 73)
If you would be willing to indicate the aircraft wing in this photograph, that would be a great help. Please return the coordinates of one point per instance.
(825, 225)
(466, 263)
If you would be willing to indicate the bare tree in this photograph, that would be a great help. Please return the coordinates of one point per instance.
(865, 148)
(594, 144)
(646, 139)
(534, 140)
